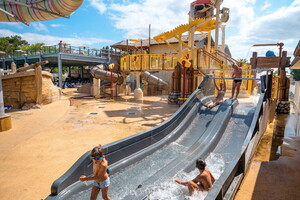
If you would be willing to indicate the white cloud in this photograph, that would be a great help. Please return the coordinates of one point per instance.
(244, 28)
(99, 5)
(38, 26)
(266, 5)
(279, 26)
(134, 18)
(56, 25)
(241, 12)
(6, 33)
(33, 38)
(14, 24)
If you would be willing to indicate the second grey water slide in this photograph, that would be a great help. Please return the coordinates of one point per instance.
(129, 180)
(185, 157)
(153, 151)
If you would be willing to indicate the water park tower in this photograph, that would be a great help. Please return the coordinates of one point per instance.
(189, 61)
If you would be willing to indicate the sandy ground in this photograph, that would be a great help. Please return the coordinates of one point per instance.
(44, 143)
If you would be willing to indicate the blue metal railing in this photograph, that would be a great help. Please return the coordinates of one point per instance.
(46, 50)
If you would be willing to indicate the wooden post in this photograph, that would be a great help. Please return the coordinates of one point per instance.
(283, 83)
(208, 49)
(253, 63)
(183, 84)
(38, 84)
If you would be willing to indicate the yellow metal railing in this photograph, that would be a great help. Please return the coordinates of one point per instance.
(148, 62)
(246, 86)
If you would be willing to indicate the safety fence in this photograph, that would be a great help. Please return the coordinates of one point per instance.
(148, 62)
(54, 49)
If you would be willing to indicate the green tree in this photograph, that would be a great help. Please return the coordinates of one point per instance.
(12, 43)
(35, 47)
(296, 74)
(55, 69)
(243, 61)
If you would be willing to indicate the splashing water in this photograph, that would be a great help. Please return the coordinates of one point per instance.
(169, 190)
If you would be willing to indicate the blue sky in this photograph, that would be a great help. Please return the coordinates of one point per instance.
(98, 23)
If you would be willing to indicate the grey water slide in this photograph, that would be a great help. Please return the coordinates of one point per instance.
(191, 132)
(104, 74)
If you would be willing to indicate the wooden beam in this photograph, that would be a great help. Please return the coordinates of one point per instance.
(171, 46)
(22, 69)
(182, 42)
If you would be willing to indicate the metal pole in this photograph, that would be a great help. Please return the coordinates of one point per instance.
(218, 4)
(127, 47)
(2, 112)
(223, 38)
(149, 37)
(111, 85)
(184, 77)
(279, 72)
(59, 63)
(279, 62)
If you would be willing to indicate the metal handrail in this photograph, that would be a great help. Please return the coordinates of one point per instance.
(241, 161)
(54, 49)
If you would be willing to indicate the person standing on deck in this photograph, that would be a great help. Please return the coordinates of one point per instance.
(236, 84)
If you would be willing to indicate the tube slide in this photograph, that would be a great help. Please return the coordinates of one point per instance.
(102, 74)
(154, 80)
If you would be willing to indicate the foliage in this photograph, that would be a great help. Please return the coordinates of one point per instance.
(35, 46)
(296, 74)
(55, 69)
(243, 61)
(12, 43)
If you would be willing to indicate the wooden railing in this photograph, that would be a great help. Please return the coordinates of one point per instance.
(148, 62)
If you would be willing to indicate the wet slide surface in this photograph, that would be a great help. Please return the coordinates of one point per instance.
(236, 131)
(215, 135)
(145, 165)
(130, 180)
(217, 159)
(153, 176)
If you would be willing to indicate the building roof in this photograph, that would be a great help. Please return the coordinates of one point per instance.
(297, 50)
(145, 43)
(296, 62)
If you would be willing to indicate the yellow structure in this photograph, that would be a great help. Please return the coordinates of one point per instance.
(5, 123)
(200, 25)
(198, 59)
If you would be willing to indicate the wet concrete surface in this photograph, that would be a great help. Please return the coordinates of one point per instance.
(274, 172)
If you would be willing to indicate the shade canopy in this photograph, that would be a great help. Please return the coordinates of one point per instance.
(26, 11)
